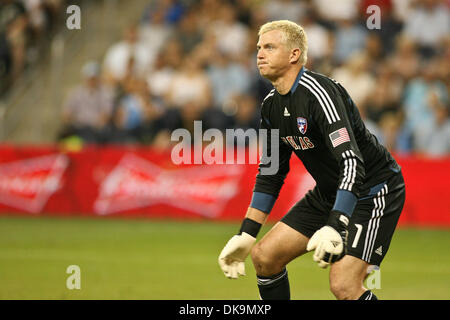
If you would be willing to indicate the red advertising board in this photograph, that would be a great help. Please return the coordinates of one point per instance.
(118, 181)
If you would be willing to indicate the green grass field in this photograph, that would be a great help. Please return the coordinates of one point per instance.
(154, 259)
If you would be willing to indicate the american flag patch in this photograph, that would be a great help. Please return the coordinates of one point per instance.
(339, 136)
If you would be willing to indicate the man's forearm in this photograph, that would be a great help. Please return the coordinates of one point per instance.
(256, 215)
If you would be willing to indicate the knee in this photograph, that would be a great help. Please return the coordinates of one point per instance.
(264, 263)
(344, 288)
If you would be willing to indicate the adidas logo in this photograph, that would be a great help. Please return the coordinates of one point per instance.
(379, 251)
(286, 112)
(335, 243)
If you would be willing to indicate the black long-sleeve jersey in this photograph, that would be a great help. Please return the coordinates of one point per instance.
(318, 121)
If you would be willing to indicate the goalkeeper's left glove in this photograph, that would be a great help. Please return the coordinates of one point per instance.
(330, 241)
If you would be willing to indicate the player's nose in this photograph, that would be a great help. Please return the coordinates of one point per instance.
(260, 54)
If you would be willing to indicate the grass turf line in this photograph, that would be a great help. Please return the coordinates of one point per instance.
(157, 259)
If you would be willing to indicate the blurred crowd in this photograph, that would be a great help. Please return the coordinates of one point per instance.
(196, 60)
(25, 28)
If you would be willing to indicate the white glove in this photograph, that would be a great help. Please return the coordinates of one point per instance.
(328, 245)
(232, 257)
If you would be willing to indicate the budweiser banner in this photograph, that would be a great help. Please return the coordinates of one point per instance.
(27, 184)
(116, 181)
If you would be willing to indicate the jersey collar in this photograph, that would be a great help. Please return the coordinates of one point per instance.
(295, 85)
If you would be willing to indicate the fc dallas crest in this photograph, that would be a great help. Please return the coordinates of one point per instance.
(137, 183)
(302, 125)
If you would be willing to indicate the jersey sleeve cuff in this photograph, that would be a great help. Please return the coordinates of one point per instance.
(263, 201)
(345, 202)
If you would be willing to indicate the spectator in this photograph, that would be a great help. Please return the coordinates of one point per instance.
(118, 56)
(166, 64)
(434, 140)
(350, 38)
(356, 78)
(244, 9)
(416, 100)
(25, 27)
(154, 32)
(247, 115)
(405, 60)
(6, 62)
(13, 23)
(318, 36)
(227, 79)
(118, 131)
(172, 11)
(427, 25)
(330, 13)
(374, 50)
(386, 95)
(175, 118)
(195, 60)
(232, 34)
(190, 84)
(285, 10)
(187, 33)
(390, 25)
(443, 61)
(88, 107)
(402, 9)
(37, 19)
(394, 135)
(135, 115)
(208, 12)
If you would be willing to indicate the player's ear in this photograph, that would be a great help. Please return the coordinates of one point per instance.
(295, 55)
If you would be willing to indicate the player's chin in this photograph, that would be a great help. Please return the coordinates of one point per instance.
(263, 71)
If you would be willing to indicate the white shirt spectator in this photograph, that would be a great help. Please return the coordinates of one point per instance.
(231, 39)
(189, 85)
(231, 35)
(159, 81)
(318, 41)
(154, 36)
(402, 9)
(354, 77)
(337, 10)
(118, 56)
(428, 26)
(186, 89)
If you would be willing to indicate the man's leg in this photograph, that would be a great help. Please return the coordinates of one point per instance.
(270, 256)
(286, 241)
(347, 279)
(369, 235)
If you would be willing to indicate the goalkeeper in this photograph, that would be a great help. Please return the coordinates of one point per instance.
(349, 218)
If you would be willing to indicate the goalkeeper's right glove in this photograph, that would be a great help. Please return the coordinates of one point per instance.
(233, 255)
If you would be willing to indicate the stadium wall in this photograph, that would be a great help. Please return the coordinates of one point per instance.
(121, 181)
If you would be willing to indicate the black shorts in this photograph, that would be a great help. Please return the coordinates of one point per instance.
(371, 225)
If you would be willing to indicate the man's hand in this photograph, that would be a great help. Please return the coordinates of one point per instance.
(330, 241)
(232, 257)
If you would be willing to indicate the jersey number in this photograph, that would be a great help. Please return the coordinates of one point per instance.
(358, 234)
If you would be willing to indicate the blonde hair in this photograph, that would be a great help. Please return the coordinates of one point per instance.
(293, 36)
